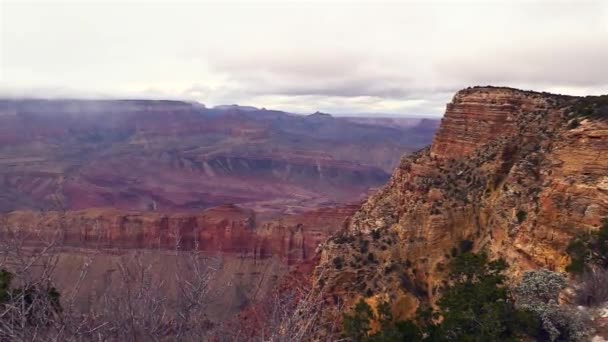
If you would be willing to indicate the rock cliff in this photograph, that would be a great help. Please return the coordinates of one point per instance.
(516, 173)
(225, 230)
(253, 253)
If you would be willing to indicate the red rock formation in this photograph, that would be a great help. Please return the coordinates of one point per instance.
(518, 173)
(478, 116)
(228, 229)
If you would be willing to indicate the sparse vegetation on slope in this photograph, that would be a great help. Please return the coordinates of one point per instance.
(477, 305)
(504, 172)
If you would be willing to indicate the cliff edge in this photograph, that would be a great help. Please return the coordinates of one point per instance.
(516, 173)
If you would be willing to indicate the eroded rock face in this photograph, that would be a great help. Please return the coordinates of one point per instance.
(254, 253)
(224, 230)
(478, 116)
(507, 170)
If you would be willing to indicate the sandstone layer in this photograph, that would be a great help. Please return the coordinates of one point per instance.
(224, 230)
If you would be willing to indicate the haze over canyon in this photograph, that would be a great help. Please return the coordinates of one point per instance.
(378, 171)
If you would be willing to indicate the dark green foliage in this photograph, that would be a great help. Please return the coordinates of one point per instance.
(5, 284)
(399, 331)
(590, 249)
(475, 306)
(592, 107)
(601, 243)
(454, 252)
(25, 297)
(578, 252)
(341, 239)
(357, 325)
(371, 257)
(465, 246)
(338, 263)
(521, 216)
(385, 316)
(471, 267)
(364, 246)
(408, 331)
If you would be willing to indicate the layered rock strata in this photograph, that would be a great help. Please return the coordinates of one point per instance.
(224, 230)
(517, 173)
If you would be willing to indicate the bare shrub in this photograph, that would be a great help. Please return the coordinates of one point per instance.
(538, 293)
(137, 308)
(139, 304)
(291, 313)
(541, 286)
(593, 289)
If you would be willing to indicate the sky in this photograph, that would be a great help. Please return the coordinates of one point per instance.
(395, 58)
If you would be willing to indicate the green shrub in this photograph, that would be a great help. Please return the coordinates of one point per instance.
(589, 250)
(357, 324)
(475, 306)
(371, 258)
(338, 263)
(521, 216)
(465, 246)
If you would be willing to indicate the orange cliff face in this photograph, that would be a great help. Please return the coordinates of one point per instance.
(508, 170)
(477, 116)
(224, 230)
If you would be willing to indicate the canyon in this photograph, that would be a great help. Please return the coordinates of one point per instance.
(255, 190)
(277, 196)
(514, 173)
(177, 156)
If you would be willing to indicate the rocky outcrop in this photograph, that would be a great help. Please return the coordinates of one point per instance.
(224, 230)
(477, 116)
(517, 173)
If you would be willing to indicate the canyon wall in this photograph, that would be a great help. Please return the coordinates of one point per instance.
(250, 254)
(224, 230)
(517, 173)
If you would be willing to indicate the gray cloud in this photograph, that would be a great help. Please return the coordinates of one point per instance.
(573, 63)
(375, 57)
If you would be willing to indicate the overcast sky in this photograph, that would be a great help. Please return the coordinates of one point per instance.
(396, 58)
